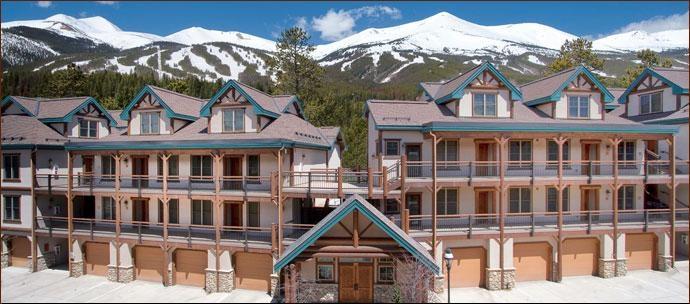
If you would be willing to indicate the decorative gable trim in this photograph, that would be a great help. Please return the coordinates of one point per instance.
(574, 77)
(648, 72)
(459, 91)
(206, 109)
(89, 105)
(7, 100)
(125, 115)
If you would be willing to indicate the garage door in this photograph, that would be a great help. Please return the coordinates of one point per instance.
(253, 271)
(190, 267)
(580, 257)
(640, 250)
(148, 262)
(97, 258)
(532, 261)
(20, 251)
(469, 267)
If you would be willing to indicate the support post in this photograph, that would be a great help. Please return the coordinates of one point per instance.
(217, 157)
(434, 193)
(615, 142)
(560, 141)
(70, 207)
(118, 212)
(672, 157)
(501, 210)
(34, 214)
(165, 157)
(280, 202)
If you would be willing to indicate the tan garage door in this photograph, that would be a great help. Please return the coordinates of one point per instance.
(20, 251)
(190, 267)
(97, 258)
(253, 271)
(580, 257)
(640, 250)
(532, 261)
(469, 267)
(148, 263)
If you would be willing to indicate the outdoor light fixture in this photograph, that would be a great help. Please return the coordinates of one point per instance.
(448, 256)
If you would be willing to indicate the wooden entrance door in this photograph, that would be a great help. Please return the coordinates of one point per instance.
(87, 175)
(356, 283)
(484, 206)
(140, 210)
(232, 172)
(232, 214)
(590, 158)
(140, 171)
(413, 153)
(589, 199)
(485, 154)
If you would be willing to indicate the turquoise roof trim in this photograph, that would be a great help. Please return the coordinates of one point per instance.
(9, 99)
(89, 101)
(168, 111)
(299, 103)
(673, 121)
(556, 95)
(337, 215)
(676, 89)
(459, 91)
(189, 145)
(206, 109)
(549, 127)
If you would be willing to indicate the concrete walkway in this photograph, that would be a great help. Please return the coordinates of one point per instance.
(636, 286)
(20, 286)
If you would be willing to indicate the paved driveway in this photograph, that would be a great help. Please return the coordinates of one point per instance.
(636, 286)
(18, 285)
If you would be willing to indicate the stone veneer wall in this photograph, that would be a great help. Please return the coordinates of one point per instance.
(493, 279)
(226, 281)
(611, 268)
(126, 274)
(5, 260)
(664, 263)
(312, 292)
(77, 269)
(384, 293)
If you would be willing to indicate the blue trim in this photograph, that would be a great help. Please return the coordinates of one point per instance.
(355, 204)
(168, 111)
(459, 91)
(673, 121)
(399, 128)
(206, 109)
(676, 89)
(9, 99)
(298, 102)
(31, 146)
(190, 145)
(425, 91)
(86, 103)
(549, 127)
(556, 95)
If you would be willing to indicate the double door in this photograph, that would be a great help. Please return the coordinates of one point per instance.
(356, 282)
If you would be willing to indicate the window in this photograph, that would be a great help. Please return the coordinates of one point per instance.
(202, 212)
(552, 199)
(520, 200)
(578, 106)
(552, 151)
(173, 168)
(173, 211)
(107, 167)
(108, 204)
(253, 168)
(233, 120)
(150, 123)
(11, 166)
(12, 208)
(447, 150)
(391, 206)
(88, 128)
(392, 146)
(202, 167)
(626, 151)
(253, 214)
(484, 104)
(651, 103)
(447, 201)
(626, 197)
(520, 153)
(325, 269)
(386, 271)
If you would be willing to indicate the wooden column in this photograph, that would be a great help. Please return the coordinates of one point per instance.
(672, 205)
(165, 157)
(217, 172)
(501, 210)
(560, 141)
(70, 207)
(616, 185)
(34, 214)
(280, 201)
(118, 212)
(434, 193)
(403, 191)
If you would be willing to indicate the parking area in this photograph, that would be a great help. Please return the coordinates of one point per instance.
(636, 286)
(20, 286)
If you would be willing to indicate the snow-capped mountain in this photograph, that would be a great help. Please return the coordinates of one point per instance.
(441, 44)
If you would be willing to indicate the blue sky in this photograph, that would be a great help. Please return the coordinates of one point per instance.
(328, 21)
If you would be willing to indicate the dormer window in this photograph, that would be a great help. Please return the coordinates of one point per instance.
(88, 128)
(233, 120)
(578, 107)
(484, 104)
(150, 123)
(650, 103)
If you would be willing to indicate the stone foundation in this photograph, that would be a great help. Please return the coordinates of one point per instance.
(439, 284)
(621, 268)
(226, 279)
(111, 275)
(126, 274)
(41, 263)
(493, 279)
(383, 293)
(76, 269)
(5, 260)
(312, 292)
(274, 284)
(170, 281)
(664, 263)
(606, 268)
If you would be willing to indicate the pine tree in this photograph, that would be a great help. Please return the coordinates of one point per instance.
(67, 83)
(649, 59)
(573, 53)
(296, 71)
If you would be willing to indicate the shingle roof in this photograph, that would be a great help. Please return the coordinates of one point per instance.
(616, 92)
(178, 102)
(30, 104)
(330, 134)
(116, 115)
(656, 118)
(59, 107)
(452, 84)
(545, 86)
(26, 130)
(275, 104)
(678, 76)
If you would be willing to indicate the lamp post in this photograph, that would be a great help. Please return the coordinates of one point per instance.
(448, 256)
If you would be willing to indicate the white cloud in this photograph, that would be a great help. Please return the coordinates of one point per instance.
(83, 14)
(106, 2)
(302, 23)
(44, 3)
(658, 24)
(335, 25)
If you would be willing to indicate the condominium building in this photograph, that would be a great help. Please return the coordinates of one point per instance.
(532, 182)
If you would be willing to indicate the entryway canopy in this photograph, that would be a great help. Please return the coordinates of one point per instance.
(356, 205)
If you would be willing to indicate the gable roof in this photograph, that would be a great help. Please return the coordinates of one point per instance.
(356, 202)
(57, 109)
(454, 88)
(677, 79)
(550, 88)
(25, 132)
(176, 105)
(264, 104)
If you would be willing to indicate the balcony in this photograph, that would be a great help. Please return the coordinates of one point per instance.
(342, 181)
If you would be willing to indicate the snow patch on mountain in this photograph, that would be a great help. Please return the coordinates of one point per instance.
(18, 50)
(417, 59)
(639, 40)
(200, 35)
